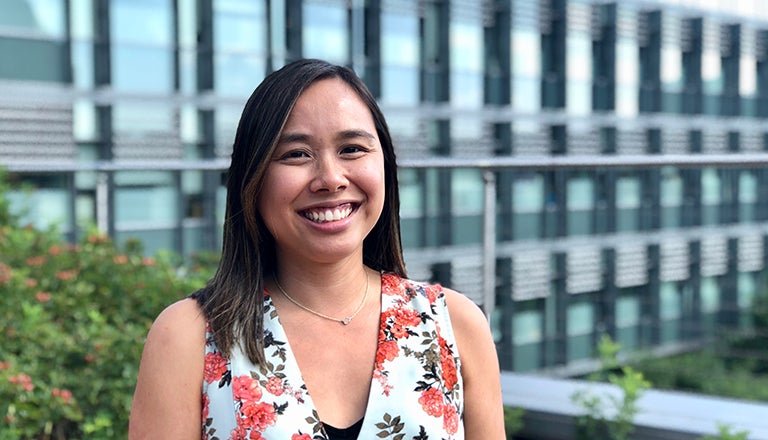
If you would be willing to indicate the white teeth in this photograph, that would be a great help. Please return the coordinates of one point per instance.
(328, 215)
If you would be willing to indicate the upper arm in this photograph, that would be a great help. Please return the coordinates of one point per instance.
(483, 407)
(167, 400)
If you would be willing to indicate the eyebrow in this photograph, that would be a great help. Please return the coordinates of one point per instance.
(343, 135)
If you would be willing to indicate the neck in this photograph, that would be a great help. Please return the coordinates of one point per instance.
(326, 287)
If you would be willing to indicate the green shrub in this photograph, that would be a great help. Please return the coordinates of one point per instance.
(72, 324)
(513, 421)
(596, 422)
(725, 433)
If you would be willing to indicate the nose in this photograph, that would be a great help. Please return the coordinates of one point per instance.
(330, 175)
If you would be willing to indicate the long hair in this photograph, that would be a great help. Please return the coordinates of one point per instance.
(233, 299)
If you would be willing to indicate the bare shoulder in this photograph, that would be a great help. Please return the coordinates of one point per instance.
(483, 416)
(167, 400)
(182, 322)
(466, 317)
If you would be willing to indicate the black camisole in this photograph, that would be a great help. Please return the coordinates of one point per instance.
(350, 433)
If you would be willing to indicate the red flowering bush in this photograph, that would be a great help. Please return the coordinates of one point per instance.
(73, 319)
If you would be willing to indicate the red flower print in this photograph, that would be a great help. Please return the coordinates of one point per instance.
(255, 435)
(390, 285)
(275, 386)
(387, 351)
(301, 437)
(258, 416)
(432, 402)
(215, 367)
(433, 291)
(206, 405)
(238, 433)
(402, 319)
(447, 364)
(246, 389)
(450, 419)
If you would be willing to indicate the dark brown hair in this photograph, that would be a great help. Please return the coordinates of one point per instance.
(233, 299)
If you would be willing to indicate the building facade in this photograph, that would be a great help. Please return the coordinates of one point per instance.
(121, 113)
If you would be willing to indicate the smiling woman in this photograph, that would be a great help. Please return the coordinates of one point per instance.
(309, 329)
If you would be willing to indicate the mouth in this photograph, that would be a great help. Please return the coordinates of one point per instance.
(326, 215)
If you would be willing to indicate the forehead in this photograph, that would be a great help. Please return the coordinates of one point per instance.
(330, 101)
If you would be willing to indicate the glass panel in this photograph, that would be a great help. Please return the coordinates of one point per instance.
(325, 32)
(528, 194)
(154, 64)
(627, 77)
(142, 56)
(467, 192)
(526, 70)
(526, 327)
(400, 59)
(710, 187)
(579, 73)
(82, 65)
(671, 307)
(411, 193)
(238, 74)
(240, 26)
(747, 290)
(42, 207)
(710, 295)
(34, 60)
(747, 75)
(466, 55)
(154, 17)
(581, 200)
(627, 311)
(580, 319)
(35, 17)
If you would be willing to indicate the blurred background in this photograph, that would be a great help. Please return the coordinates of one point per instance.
(578, 167)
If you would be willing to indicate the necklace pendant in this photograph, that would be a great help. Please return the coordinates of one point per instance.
(346, 320)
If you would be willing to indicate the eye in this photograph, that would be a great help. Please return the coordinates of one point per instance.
(293, 155)
(353, 150)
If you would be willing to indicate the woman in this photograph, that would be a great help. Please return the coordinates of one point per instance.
(309, 329)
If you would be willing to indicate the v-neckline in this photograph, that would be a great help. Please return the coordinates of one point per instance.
(274, 325)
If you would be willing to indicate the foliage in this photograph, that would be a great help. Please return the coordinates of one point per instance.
(513, 421)
(724, 433)
(706, 372)
(610, 417)
(735, 366)
(72, 324)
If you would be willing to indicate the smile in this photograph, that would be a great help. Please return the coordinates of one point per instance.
(325, 215)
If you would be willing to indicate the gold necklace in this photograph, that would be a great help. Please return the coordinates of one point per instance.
(344, 321)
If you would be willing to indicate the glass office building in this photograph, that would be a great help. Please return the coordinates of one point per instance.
(121, 113)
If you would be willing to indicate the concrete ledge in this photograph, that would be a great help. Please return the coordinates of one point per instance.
(550, 413)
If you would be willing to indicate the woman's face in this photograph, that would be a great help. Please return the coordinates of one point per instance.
(323, 190)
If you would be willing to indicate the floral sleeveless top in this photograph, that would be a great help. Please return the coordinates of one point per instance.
(416, 390)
